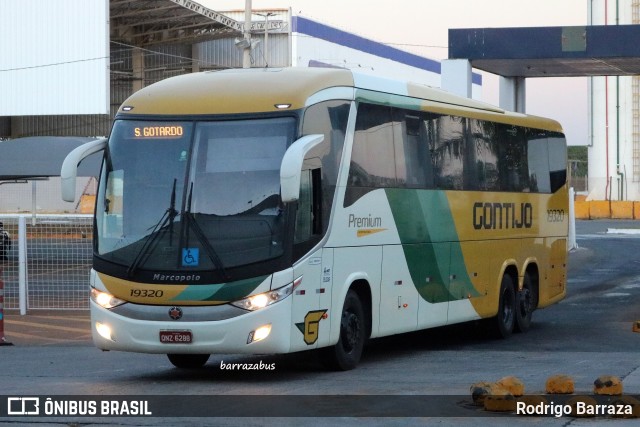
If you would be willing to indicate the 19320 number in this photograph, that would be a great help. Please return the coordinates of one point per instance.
(147, 293)
(555, 215)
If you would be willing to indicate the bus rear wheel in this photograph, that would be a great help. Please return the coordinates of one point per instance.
(346, 354)
(525, 305)
(502, 325)
(188, 361)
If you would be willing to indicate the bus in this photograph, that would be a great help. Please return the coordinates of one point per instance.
(267, 211)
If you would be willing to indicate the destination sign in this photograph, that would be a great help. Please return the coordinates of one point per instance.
(175, 131)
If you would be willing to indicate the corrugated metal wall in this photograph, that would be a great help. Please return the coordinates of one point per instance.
(224, 54)
(5, 127)
(162, 62)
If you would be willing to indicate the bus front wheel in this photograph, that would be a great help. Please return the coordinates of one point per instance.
(345, 355)
(188, 361)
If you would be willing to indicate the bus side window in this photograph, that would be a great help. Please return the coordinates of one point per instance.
(538, 157)
(557, 161)
(309, 212)
(330, 119)
(112, 204)
(414, 167)
(372, 164)
(448, 152)
(482, 136)
(512, 158)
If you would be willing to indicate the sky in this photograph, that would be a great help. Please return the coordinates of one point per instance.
(421, 27)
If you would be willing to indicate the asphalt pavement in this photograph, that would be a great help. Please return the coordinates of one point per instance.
(47, 327)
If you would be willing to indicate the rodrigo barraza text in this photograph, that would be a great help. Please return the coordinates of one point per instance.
(580, 408)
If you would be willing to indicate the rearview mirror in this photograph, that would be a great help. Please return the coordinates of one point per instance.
(291, 167)
(69, 170)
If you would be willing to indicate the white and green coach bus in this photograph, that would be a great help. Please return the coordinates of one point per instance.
(282, 210)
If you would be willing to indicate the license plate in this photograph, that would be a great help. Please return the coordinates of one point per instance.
(176, 337)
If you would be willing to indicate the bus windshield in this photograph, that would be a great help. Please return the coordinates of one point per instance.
(192, 195)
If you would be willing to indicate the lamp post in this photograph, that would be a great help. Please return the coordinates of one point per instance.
(266, 35)
(246, 53)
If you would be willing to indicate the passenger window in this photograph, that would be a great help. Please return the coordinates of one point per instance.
(537, 154)
(512, 158)
(372, 158)
(402, 148)
(329, 119)
(486, 159)
(414, 166)
(447, 152)
(557, 161)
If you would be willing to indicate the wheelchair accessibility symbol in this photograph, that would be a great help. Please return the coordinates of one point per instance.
(190, 257)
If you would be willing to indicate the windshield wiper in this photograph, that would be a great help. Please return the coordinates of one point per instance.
(158, 230)
(191, 223)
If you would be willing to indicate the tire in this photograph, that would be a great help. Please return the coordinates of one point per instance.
(188, 361)
(526, 302)
(502, 325)
(346, 354)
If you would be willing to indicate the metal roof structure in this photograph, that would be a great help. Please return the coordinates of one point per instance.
(599, 50)
(150, 22)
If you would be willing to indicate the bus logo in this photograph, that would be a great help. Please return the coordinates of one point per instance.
(311, 326)
(366, 225)
(500, 216)
(175, 313)
(23, 406)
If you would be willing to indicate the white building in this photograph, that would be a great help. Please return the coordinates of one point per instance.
(614, 146)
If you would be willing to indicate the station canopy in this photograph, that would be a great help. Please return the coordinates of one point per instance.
(149, 22)
(598, 50)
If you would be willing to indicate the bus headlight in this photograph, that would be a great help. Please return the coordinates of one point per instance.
(256, 302)
(105, 300)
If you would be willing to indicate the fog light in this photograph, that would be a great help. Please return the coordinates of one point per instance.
(104, 331)
(259, 334)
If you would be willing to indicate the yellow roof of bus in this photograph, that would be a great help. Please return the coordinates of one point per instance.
(258, 90)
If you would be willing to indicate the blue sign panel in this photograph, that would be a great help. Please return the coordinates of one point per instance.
(190, 257)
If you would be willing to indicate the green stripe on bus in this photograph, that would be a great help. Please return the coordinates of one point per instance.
(232, 291)
(430, 243)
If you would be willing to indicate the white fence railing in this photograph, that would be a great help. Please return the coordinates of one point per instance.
(48, 263)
